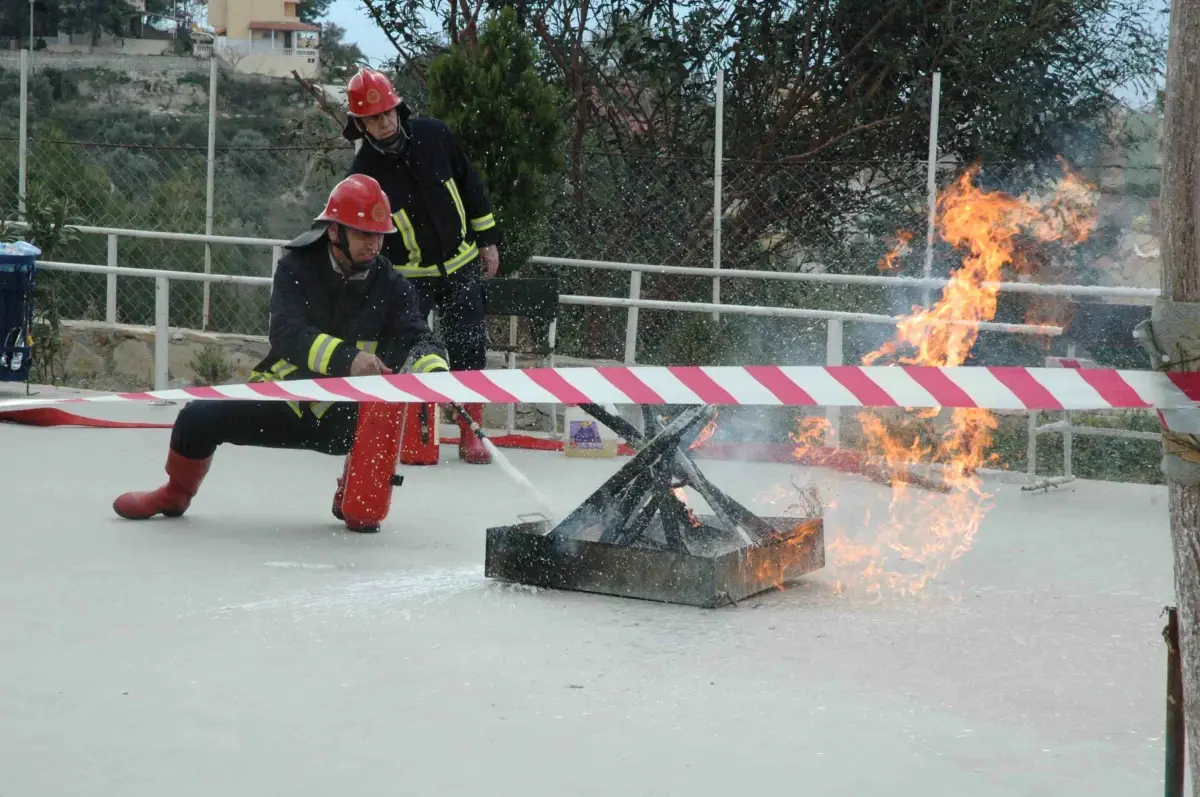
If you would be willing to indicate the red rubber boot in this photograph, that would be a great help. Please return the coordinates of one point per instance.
(470, 448)
(341, 492)
(173, 498)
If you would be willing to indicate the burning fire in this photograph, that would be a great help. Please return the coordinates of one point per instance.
(681, 496)
(892, 259)
(928, 530)
(680, 493)
(705, 435)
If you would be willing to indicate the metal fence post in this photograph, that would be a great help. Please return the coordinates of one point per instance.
(1068, 438)
(631, 320)
(23, 145)
(718, 157)
(1031, 447)
(931, 182)
(110, 293)
(212, 174)
(162, 305)
(834, 355)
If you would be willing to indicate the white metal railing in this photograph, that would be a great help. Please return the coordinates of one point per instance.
(1068, 430)
(834, 319)
(275, 47)
(852, 279)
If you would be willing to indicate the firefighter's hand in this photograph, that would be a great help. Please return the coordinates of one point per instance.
(365, 364)
(489, 256)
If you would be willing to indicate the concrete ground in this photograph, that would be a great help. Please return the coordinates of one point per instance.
(253, 647)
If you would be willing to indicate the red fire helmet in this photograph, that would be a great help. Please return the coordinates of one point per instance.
(370, 92)
(359, 202)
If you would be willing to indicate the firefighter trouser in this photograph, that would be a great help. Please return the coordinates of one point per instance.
(201, 426)
(458, 298)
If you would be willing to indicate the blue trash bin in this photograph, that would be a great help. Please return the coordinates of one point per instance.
(18, 277)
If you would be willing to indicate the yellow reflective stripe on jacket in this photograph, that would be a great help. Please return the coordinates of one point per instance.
(467, 252)
(278, 371)
(483, 223)
(409, 235)
(319, 408)
(425, 364)
(458, 203)
(281, 369)
(321, 352)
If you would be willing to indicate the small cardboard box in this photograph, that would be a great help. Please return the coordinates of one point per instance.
(587, 437)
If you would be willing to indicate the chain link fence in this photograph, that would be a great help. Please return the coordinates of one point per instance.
(820, 216)
(829, 216)
(141, 162)
(835, 217)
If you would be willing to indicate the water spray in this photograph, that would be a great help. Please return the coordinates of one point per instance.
(502, 460)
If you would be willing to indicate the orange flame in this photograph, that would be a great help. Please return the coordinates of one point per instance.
(892, 259)
(681, 496)
(927, 531)
(988, 225)
(705, 435)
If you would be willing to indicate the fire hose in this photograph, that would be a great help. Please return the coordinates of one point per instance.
(476, 428)
(633, 437)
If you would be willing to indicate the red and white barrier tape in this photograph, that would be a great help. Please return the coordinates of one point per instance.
(994, 388)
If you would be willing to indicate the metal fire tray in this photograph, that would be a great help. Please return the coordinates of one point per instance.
(524, 553)
(636, 537)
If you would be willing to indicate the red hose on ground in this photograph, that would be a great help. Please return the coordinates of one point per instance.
(52, 416)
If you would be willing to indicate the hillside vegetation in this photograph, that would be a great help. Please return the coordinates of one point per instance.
(129, 150)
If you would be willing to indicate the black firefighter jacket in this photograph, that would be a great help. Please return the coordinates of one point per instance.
(439, 202)
(321, 319)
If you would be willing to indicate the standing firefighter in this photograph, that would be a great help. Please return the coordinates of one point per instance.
(338, 309)
(443, 217)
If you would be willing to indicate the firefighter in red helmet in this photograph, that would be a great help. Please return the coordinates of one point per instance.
(446, 237)
(338, 308)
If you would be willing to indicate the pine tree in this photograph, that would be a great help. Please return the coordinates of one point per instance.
(507, 118)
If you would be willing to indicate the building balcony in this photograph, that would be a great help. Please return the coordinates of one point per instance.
(242, 48)
(260, 47)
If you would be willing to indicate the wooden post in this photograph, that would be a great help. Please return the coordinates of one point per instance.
(1176, 744)
(1181, 283)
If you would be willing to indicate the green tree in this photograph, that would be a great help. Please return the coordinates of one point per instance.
(96, 16)
(826, 123)
(339, 59)
(507, 118)
(312, 10)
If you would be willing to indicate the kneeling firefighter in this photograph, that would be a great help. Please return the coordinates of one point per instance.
(338, 308)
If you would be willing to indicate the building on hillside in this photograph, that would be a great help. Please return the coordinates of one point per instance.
(264, 37)
(66, 28)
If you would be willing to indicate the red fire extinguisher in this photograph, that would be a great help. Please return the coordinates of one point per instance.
(420, 436)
